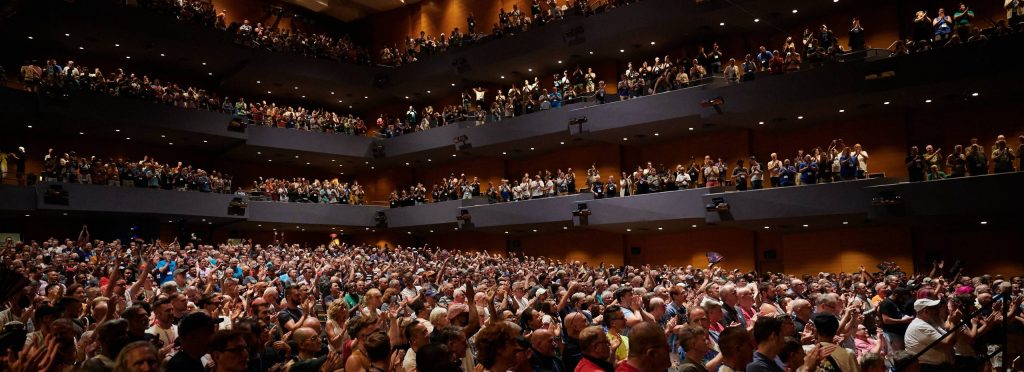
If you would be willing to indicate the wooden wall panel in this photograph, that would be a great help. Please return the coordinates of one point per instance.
(690, 248)
(593, 247)
(847, 249)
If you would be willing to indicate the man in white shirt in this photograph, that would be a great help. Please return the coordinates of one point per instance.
(841, 358)
(862, 161)
(774, 169)
(164, 329)
(926, 329)
(416, 333)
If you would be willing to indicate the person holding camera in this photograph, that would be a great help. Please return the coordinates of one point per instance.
(915, 165)
(977, 161)
(1002, 156)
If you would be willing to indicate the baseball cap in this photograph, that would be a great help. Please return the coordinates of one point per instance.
(196, 320)
(925, 303)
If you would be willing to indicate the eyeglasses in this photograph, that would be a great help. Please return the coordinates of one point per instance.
(236, 349)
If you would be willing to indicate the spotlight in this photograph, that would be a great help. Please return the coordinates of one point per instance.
(717, 205)
(716, 103)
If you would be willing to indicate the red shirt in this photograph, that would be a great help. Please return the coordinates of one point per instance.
(626, 367)
(588, 366)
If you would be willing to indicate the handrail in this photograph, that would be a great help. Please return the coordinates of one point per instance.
(964, 321)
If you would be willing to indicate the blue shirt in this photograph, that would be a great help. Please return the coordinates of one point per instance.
(848, 166)
(762, 363)
(169, 274)
(787, 176)
(807, 175)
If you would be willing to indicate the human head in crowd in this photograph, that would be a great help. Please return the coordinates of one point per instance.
(736, 346)
(229, 351)
(138, 356)
(694, 342)
(547, 300)
(497, 347)
(648, 348)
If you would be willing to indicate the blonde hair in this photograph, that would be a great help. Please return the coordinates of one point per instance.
(336, 307)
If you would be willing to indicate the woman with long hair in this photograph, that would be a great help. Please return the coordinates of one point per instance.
(337, 320)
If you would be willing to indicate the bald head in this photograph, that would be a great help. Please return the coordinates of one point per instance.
(542, 341)
(574, 324)
(302, 338)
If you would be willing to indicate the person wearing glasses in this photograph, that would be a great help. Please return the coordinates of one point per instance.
(229, 351)
(543, 357)
(615, 321)
(597, 351)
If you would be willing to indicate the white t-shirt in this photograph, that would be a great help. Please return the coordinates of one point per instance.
(921, 334)
(409, 362)
(862, 161)
(167, 336)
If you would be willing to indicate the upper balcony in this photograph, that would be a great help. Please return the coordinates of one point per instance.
(857, 86)
(211, 56)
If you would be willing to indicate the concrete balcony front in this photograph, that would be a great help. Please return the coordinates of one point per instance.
(430, 214)
(615, 214)
(313, 213)
(970, 200)
(804, 202)
(130, 200)
(550, 210)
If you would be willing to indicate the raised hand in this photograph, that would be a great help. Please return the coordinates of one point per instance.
(396, 359)
(333, 362)
(614, 342)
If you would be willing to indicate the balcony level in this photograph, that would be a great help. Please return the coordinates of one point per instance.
(989, 198)
(770, 99)
(211, 55)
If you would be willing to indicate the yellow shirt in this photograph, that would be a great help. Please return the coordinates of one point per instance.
(623, 351)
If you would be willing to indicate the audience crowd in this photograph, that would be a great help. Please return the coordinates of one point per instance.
(269, 37)
(837, 162)
(818, 45)
(56, 80)
(319, 45)
(301, 190)
(962, 161)
(138, 306)
(146, 173)
(509, 23)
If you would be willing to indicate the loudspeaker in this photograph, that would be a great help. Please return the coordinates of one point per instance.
(461, 65)
(237, 207)
(56, 195)
(381, 79)
(575, 35)
(236, 125)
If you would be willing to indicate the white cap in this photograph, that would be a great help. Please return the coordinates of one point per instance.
(925, 303)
